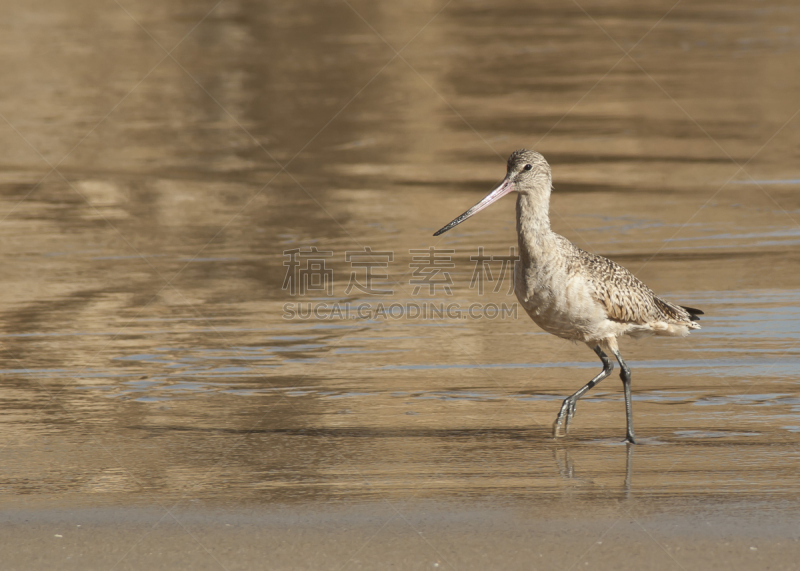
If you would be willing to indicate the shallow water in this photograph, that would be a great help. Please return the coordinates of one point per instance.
(147, 202)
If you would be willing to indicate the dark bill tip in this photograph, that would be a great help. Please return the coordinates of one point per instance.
(505, 187)
(443, 230)
(455, 222)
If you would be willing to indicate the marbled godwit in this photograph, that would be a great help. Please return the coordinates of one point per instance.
(574, 294)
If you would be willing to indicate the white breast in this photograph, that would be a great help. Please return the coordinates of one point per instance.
(559, 303)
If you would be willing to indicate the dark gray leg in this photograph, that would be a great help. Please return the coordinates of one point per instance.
(625, 375)
(628, 467)
(568, 408)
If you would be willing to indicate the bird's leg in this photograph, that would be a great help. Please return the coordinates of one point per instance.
(568, 408)
(625, 375)
(628, 467)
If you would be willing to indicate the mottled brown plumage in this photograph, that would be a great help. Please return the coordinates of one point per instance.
(625, 298)
(574, 294)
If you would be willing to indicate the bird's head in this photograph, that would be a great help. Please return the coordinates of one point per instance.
(527, 173)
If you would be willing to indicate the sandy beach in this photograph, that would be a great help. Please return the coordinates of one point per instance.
(229, 339)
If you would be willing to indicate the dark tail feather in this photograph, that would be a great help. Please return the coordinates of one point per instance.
(693, 313)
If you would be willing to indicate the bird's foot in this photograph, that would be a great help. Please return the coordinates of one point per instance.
(564, 417)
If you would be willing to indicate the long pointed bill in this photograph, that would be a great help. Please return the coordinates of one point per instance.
(505, 187)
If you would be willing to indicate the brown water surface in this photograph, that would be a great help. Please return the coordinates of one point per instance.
(159, 159)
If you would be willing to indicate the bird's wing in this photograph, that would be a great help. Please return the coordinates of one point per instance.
(625, 298)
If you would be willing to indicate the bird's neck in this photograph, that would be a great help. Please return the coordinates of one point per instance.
(533, 225)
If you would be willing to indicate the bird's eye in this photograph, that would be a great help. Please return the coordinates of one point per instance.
(527, 167)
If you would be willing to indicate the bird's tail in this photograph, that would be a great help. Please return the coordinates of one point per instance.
(679, 313)
(693, 313)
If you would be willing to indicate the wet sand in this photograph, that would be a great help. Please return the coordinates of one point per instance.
(415, 535)
(150, 205)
